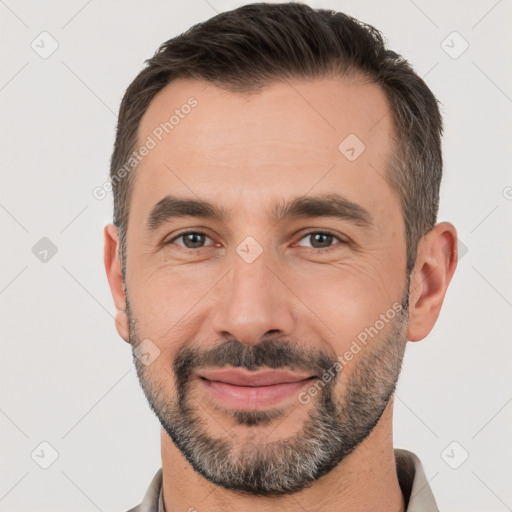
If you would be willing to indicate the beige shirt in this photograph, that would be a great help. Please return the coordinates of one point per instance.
(411, 477)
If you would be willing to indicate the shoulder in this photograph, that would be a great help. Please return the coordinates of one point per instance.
(413, 482)
(150, 501)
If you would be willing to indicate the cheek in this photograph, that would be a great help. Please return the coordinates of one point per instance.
(164, 297)
(158, 380)
(348, 300)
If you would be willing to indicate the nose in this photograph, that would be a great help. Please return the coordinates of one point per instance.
(253, 303)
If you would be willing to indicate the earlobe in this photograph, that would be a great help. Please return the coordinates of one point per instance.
(436, 262)
(115, 279)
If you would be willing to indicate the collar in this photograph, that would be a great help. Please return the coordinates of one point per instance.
(411, 477)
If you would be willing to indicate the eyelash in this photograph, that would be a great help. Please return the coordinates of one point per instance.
(309, 233)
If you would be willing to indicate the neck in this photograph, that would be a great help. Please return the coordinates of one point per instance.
(365, 480)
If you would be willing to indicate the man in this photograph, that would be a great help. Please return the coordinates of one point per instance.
(276, 178)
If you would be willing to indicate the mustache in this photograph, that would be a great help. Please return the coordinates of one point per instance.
(275, 354)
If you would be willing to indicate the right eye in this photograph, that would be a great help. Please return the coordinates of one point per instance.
(190, 239)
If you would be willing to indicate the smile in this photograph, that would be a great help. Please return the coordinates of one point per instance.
(241, 389)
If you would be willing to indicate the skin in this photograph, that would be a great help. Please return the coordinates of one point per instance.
(246, 152)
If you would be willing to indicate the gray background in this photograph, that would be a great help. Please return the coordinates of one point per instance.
(67, 378)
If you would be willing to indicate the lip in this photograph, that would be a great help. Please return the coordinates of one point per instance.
(247, 390)
(239, 377)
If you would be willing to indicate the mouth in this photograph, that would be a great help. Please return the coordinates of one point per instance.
(248, 390)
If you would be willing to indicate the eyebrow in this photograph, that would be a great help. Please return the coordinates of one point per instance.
(325, 205)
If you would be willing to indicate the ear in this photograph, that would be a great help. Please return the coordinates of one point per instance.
(436, 262)
(115, 279)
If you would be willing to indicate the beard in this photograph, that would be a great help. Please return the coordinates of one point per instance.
(333, 428)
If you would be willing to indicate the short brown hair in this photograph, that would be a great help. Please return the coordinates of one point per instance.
(248, 48)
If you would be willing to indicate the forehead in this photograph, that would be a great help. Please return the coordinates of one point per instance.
(292, 136)
(314, 112)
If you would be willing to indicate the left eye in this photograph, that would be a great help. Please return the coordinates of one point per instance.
(320, 239)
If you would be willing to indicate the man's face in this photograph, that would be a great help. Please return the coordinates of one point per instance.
(281, 329)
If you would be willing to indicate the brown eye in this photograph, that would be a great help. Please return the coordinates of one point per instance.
(190, 240)
(320, 240)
